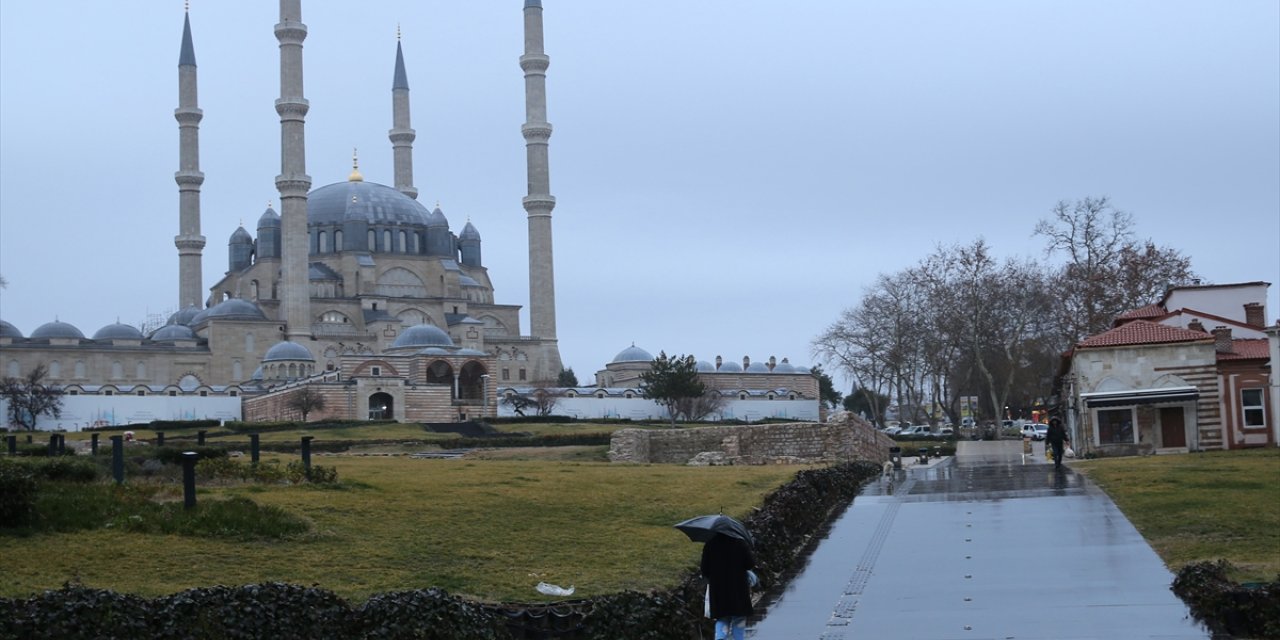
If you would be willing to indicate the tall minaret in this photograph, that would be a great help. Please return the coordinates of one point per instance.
(401, 134)
(539, 202)
(293, 181)
(189, 177)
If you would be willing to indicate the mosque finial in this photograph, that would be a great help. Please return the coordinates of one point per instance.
(186, 6)
(355, 168)
(397, 32)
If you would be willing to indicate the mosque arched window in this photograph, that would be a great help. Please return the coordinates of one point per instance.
(404, 242)
(79, 368)
(140, 370)
(337, 240)
(13, 369)
(373, 240)
(253, 289)
(248, 342)
(386, 240)
(117, 370)
(237, 371)
(55, 369)
(323, 241)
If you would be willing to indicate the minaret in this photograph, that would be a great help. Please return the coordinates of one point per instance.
(401, 134)
(539, 202)
(293, 181)
(189, 177)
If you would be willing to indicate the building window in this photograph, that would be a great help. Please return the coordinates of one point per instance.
(237, 370)
(1115, 426)
(14, 371)
(55, 369)
(117, 370)
(79, 369)
(404, 242)
(506, 374)
(522, 375)
(324, 242)
(204, 394)
(337, 240)
(233, 393)
(386, 240)
(248, 342)
(108, 392)
(172, 393)
(141, 370)
(1255, 414)
(373, 240)
(377, 371)
(141, 392)
(73, 392)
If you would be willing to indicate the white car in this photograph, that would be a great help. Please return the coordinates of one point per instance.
(1034, 431)
(916, 430)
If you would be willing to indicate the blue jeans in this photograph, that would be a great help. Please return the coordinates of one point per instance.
(737, 625)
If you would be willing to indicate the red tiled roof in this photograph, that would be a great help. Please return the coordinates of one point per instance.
(1247, 349)
(1142, 332)
(1149, 311)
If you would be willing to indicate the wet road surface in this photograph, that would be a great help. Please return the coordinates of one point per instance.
(987, 544)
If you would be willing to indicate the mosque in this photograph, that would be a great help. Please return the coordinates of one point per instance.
(356, 292)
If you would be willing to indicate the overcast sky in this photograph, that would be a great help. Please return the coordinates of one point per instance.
(729, 175)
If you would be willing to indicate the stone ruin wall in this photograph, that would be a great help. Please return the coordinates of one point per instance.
(845, 438)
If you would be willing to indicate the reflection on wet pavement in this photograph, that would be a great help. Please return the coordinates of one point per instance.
(989, 544)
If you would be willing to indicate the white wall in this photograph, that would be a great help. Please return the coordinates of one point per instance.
(82, 411)
(1226, 301)
(587, 407)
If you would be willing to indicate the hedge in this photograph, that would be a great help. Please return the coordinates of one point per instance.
(1247, 611)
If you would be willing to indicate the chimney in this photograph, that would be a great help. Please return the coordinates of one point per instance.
(1255, 315)
(746, 362)
(719, 361)
(1222, 339)
(1195, 325)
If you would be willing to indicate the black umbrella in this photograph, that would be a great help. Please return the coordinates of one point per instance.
(702, 528)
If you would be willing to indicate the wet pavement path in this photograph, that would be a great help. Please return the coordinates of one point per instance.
(988, 544)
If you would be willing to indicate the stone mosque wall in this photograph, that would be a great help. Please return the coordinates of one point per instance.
(849, 438)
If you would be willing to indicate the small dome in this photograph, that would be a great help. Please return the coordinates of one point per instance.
(422, 335)
(706, 367)
(469, 232)
(729, 366)
(433, 351)
(118, 331)
(290, 351)
(758, 367)
(474, 353)
(231, 309)
(9, 331)
(436, 218)
(783, 367)
(172, 332)
(467, 281)
(56, 329)
(185, 316)
(240, 236)
(269, 218)
(633, 354)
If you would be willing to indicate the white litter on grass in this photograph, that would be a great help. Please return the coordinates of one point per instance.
(554, 590)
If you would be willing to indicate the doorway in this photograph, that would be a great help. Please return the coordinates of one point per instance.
(1173, 429)
(381, 407)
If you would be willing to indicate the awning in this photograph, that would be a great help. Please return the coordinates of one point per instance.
(1139, 396)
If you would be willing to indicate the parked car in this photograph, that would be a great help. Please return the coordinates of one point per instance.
(1029, 431)
(892, 429)
(946, 432)
(918, 430)
(1042, 431)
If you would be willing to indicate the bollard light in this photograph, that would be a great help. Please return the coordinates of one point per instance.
(189, 479)
(253, 447)
(117, 458)
(306, 454)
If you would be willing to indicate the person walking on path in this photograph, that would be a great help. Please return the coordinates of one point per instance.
(1057, 439)
(726, 562)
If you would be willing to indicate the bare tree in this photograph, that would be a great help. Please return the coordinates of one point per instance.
(541, 401)
(29, 397)
(305, 400)
(699, 407)
(1107, 271)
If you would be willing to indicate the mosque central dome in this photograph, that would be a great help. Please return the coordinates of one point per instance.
(360, 200)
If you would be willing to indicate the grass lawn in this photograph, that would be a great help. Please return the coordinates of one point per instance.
(1201, 506)
(489, 529)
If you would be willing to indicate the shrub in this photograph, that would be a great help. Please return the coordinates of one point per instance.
(1227, 607)
(67, 469)
(17, 494)
(75, 612)
(173, 455)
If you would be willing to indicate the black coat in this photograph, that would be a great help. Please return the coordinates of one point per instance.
(1057, 434)
(725, 562)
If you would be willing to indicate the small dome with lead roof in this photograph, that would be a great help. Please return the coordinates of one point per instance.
(56, 330)
(633, 354)
(422, 335)
(118, 331)
(290, 351)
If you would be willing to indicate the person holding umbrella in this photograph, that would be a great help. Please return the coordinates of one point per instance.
(727, 562)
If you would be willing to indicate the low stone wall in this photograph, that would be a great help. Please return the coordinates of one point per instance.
(850, 438)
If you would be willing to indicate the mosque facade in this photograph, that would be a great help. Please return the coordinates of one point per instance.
(354, 285)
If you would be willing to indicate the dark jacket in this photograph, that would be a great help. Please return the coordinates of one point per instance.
(1057, 434)
(725, 562)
